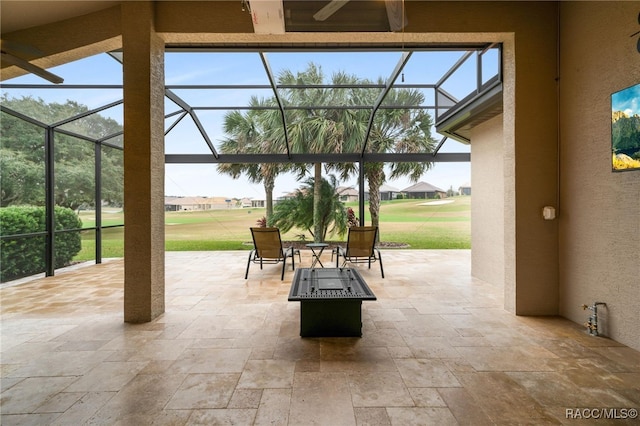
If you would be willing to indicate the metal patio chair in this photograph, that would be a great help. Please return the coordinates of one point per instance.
(268, 249)
(361, 247)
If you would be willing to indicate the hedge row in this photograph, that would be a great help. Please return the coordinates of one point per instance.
(24, 256)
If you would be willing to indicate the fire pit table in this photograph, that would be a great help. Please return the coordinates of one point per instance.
(330, 301)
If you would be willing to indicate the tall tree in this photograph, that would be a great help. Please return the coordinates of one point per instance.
(323, 122)
(248, 134)
(22, 146)
(398, 130)
(316, 131)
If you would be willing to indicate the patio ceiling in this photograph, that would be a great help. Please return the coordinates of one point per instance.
(298, 15)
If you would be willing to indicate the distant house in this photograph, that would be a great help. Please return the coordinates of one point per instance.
(423, 190)
(388, 192)
(347, 193)
(172, 204)
(465, 189)
(181, 204)
(258, 202)
(288, 195)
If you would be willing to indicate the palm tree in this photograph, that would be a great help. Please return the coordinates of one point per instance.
(313, 130)
(249, 135)
(412, 134)
(297, 211)
(400, 130)
(329, 130)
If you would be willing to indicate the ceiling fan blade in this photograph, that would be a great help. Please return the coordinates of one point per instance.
(332, 7)
(34, 69)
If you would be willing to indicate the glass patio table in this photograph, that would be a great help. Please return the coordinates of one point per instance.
(316, 252)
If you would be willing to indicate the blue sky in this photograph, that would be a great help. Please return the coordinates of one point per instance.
(244, 69)
(627, 100)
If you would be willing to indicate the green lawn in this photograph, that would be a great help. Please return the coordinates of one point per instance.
(431, 226)
(411, 222)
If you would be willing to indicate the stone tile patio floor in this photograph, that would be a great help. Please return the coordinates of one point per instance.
(437, 349)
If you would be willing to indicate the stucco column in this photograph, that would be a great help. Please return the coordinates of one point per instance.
(143, 163)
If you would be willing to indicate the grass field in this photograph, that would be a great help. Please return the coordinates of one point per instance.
(419, 224)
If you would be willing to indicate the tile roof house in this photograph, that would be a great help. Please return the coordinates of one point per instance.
(347, 193)
(424, 190)
(388, 192)
(175, 204)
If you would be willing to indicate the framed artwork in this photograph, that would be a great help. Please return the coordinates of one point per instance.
(625, 129)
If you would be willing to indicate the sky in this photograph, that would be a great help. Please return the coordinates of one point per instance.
(627, 100)
(246, 68)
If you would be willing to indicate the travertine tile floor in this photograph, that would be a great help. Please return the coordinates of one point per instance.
(437, 349)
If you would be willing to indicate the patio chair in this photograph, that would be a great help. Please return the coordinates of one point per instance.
(268, 249)
(361, 247)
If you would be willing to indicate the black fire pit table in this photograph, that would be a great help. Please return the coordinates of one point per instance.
(330, 301)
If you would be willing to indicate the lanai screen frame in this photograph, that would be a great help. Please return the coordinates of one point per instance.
(214, 157)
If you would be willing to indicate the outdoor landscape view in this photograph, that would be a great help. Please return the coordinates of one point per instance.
(415, 224)
(72, 142)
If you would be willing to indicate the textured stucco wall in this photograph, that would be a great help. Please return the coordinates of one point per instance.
(600, 210)
(530, 137)
(487, 207)
(144, 289)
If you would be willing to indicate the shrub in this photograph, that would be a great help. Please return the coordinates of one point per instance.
(298, 211)
(24, 256)
(352, 219)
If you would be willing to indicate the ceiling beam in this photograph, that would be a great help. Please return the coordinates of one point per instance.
(29, 67)
(449, 157)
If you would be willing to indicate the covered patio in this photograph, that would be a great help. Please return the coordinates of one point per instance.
(437, 348)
